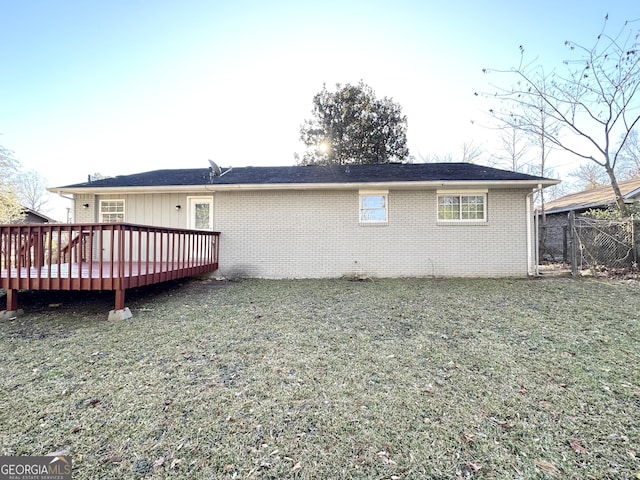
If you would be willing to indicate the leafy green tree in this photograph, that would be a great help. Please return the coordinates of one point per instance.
(352, 126)
(592, 105)
(10, 209)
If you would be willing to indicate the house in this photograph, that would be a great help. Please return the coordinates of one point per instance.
(553, 231)
(383, 220)
(31, 216)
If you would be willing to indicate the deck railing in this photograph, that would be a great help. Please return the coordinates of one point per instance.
(101, 256)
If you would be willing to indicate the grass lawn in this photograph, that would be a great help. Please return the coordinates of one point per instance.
(384, 379)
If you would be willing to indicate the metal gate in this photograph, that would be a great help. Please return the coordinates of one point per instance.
(595, 243)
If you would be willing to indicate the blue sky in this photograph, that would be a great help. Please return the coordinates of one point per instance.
(121, 87)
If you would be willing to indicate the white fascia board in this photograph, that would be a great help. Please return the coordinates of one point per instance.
(308, 186)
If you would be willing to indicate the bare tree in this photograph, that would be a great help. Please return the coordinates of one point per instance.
(471, 153)
(596, 102)
(630, 156)
(31, 188)
(544, 125)
(10, 209)
(589, 175)
(514, 146)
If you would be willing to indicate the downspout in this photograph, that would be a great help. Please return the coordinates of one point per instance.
(73, 204)
(532, 252)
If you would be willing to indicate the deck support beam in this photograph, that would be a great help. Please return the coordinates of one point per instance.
(120, 312)
(119, 299)
(12, 306)
(12, 299)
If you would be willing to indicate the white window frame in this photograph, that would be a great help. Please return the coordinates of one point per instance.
(102, 211)
(191, 203)
(362, 196)
(460, 194)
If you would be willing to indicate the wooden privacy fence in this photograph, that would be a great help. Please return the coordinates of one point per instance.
(100, 256)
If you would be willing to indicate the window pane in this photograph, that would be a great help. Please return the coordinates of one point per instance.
(373, 208)
(379, 215)
(112, 211)
(202, 216)
(373, 201)
(112, 206)
(448, 208)
(472, 207)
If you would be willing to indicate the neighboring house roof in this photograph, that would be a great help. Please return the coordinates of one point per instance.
(31, 216)
(312, 176)
(598, 197)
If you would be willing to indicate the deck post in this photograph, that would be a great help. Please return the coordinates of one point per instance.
(120, 312)
(12, 305)
(119, 299)
(12, 299)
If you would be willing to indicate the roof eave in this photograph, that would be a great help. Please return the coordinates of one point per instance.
(632, 194)
(586, 206)
(430, 184)
(575, 207)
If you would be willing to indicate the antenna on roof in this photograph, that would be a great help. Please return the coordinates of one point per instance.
(214, 169)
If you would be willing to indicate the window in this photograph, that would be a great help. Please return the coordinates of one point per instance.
(373, 207)
(467, 207)
(200, 213)
(111, 211)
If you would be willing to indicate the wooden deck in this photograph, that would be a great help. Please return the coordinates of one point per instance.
(100, 256)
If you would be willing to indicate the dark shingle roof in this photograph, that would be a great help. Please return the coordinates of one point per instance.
(338, 174)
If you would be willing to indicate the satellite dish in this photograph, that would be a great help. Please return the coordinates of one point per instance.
(215, 169)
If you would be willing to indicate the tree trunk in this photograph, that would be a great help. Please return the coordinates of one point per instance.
(616, 191)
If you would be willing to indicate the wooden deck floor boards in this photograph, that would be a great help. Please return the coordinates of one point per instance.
(95, 270)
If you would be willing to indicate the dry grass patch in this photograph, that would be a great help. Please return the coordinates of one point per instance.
(331, 379)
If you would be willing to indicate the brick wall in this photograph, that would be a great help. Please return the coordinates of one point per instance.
(300, 234)
(83, 214)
